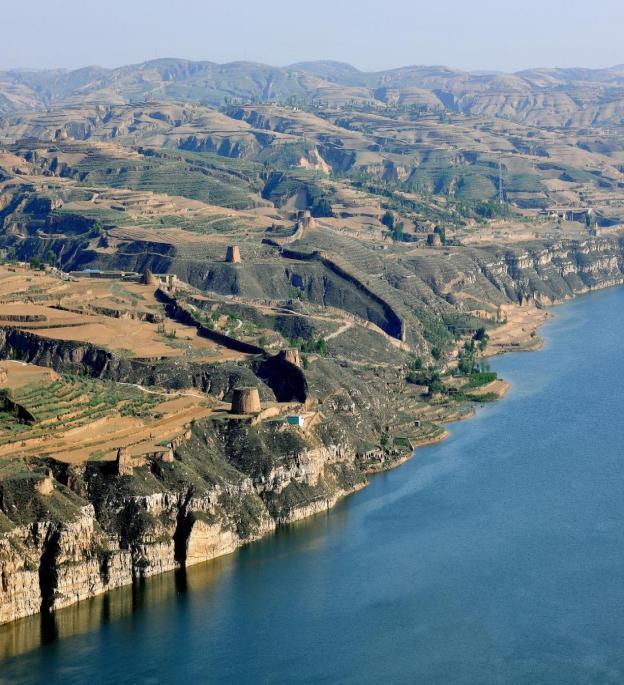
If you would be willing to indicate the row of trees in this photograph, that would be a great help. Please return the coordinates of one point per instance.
(395, 227)
(466, 362)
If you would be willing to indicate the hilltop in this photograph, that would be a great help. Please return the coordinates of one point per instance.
(559, 98)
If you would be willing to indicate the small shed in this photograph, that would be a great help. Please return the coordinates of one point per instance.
(297, 420)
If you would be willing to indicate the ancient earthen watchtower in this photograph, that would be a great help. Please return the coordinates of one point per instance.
(434, 240)
(45, 486)
(304, 219)
(148, 278)
(246, 401)
(232, 254)
(292, 355)
(123, 462)
(172, 283)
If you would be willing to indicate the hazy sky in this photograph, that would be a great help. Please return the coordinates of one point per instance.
(379, 34)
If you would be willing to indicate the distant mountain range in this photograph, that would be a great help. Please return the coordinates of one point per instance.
(543, 97)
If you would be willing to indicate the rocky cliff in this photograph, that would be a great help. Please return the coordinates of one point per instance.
(76, 531)
(275, 376)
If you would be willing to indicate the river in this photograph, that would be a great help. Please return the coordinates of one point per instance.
(494, 557)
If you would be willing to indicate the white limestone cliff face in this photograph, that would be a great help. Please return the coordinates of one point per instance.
(20, 594)
(49, 565)
(87, 543)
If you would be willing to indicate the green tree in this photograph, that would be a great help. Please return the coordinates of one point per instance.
(413, 377)
(416, 364)
(397, 232)
(321, 346)
(466, 358)
(436, 386)
(388, 219)
(322, 208)
(481, 338)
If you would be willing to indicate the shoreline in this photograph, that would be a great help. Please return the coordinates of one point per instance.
(536, 316)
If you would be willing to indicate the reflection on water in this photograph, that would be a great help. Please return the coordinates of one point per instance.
(34, 631)
(494, 558)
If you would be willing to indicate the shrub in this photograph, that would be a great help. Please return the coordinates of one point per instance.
(322, 208)
(397, 232)
(480, 378)
(388, 219)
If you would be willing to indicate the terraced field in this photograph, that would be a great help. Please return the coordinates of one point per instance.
(75, 418)
(194, 176)
(68, 403)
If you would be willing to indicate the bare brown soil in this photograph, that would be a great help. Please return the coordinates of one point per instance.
(108, 313)
(520, 330)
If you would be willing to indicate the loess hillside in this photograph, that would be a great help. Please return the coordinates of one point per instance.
(176, 237)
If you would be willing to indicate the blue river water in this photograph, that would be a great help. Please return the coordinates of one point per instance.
(495, 557)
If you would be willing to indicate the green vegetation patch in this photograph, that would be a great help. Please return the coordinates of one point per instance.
(481, 378)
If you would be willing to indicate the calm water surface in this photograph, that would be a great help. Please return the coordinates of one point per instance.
(495, 557)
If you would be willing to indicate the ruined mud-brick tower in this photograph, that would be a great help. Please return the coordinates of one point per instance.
(246, 401)
(148, 278)
(45, 486)
(304, 219)
(292, 355)
(172, 283)
(434, 240)
(4, 376)
(123, 462)
(232, 254)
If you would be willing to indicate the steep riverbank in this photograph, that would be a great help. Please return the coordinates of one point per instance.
(74, 531)
(80, 531)
(484, 560)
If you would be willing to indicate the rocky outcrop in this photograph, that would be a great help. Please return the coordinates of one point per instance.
(80, 531)
(182, 312)
(551, 273)
(100, 526)
(390, 321)
(84, 358)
